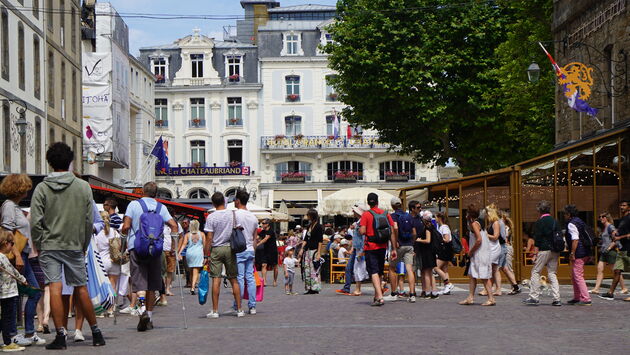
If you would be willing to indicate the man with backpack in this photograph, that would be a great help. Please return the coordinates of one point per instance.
(379, 229)
(545, 255)
(404, 250)
(579, 243)
(144, 224)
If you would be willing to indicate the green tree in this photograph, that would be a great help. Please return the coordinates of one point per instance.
(427, 74)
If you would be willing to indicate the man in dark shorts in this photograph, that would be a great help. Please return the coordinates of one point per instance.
(375, 252)
(146, 273)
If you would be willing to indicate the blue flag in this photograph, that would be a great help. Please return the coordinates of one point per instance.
(160, 153)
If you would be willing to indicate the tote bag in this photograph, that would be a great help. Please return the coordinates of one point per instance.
(260, 288)
(360, 271)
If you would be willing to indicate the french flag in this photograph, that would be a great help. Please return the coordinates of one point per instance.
(574, 101)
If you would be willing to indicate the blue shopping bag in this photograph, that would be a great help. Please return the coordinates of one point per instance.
(203, 286)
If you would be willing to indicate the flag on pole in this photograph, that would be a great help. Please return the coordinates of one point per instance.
(335, 125)
(160, 153)
(574, 100)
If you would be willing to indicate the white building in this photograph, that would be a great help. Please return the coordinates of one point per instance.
(261, 98)
(207, 110)
(118, 98)
(301, 160)
(22, 87)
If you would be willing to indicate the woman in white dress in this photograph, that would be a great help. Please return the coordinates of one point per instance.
(493, 229)
(103, 247)
(479, 254)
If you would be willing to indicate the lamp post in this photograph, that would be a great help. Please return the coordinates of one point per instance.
(533, 72)
(21, 125)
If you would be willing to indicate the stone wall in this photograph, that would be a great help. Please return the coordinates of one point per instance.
(597, 34)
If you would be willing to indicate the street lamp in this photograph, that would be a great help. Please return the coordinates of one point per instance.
(533, 72)
(21, 123)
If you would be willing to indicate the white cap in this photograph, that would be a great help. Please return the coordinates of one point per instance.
(359, 208)
(298, 227)
(396, 201)
(345, 242)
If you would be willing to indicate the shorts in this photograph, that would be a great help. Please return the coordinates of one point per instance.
(375, 261)
(502, 261)
(622, 262)
(288, 281)
(146, 274)
(223, 256)
(609, 257)
(405, 254)
(170, 262)
(71, 261)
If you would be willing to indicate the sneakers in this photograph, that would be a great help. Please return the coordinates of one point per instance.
(23, 340)
(78, 336)
(447, 289)
(412, 298)
(433, 296)
(585, 303)
(240, 313)
(128, 310)
(515, 291)
(607, 296)
(557, 303)
(213, 315)
(143, 322)
(573, 302)
(252, 310)
(531, 302)
(12, 348)
(58, 344)
(391, 298)
(98, 340)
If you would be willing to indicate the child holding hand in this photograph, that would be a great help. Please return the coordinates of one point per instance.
(8, 291)
(289, 263)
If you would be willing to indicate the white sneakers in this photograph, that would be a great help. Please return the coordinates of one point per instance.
(22, 340)
(239, 313)
(78, 336)
(252, 311)
(447, 289)
(391, 298)
(127, 310)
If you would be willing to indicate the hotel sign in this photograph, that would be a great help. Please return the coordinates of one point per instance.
(205, 171)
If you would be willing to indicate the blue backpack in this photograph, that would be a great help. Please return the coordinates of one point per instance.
(149, 241)
(405, 225)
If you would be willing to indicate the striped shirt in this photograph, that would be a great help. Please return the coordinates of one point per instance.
(115, 221)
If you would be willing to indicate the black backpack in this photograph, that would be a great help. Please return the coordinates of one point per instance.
(382, 229)
(456, 243)
(437, 242)
(557, 242)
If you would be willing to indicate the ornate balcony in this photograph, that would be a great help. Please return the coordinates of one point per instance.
(197, 123)
(280, 142)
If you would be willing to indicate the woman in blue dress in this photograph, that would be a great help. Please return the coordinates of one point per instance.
(193, 243)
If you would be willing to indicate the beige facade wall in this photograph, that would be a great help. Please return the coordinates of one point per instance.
(62, 74)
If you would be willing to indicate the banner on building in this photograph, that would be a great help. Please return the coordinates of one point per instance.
(204, 171)
(96, 67)
(97, 119)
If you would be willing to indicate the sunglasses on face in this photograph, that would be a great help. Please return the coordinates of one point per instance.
(10, 242)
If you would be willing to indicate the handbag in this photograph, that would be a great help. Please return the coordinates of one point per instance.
(23, 289)
(204, 285)
(360, 270)
(237, 240)
(20, 243)
(260, 288)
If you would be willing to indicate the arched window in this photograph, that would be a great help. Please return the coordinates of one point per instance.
(345, 168)
(164, 194)
(293, 169)
(230, 194)
(397, 168)
(198, 193)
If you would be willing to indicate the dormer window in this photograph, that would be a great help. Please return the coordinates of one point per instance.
(197, 65)
(159, 67)
(292, 44)
(234, 68)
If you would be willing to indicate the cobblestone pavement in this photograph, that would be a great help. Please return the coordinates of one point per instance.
(329, 323)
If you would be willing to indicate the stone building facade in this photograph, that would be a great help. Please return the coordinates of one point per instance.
(597, 34)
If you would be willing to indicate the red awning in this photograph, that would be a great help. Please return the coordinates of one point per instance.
(123, 198)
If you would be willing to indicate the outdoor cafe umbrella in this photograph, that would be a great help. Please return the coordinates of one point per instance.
(341, 202)
(284, 225)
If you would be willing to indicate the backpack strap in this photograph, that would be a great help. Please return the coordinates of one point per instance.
(143, 205)
(158, 207)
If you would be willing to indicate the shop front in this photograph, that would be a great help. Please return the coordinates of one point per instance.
(593, 174)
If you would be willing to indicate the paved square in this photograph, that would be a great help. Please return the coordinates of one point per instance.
(329, 324)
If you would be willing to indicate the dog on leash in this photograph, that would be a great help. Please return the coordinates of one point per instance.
(545, 288)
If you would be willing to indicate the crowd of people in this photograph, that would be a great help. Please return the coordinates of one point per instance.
(46, 253)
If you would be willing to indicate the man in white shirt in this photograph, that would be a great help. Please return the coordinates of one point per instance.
(218, 253)
(580, 254)
(245, 260)
(343, 252)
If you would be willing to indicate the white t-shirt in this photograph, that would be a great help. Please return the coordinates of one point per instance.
(102, 243)
(444, 230)
(249, 223)
(290, 264)
(168, 241)
(341, 254)
(220, 224)
(573, 232)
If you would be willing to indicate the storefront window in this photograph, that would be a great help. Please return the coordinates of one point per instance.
(607, 178)
(582, 184)
(562, 187)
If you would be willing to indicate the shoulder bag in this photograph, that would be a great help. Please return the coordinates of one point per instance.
(237, 240)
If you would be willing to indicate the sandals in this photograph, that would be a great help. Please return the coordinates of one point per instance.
(378, 302)
(354, 294)
(594, 292)
(489, 303)
(466, 302)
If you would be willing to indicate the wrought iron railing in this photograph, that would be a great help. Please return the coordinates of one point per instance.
(281, 142)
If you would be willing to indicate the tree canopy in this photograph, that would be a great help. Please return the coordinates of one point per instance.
(442, 79)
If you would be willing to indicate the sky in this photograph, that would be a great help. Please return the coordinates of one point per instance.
(148, 32)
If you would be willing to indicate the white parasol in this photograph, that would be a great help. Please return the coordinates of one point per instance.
(341, 202)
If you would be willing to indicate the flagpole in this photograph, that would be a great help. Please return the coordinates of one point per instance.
(146, 165)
